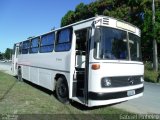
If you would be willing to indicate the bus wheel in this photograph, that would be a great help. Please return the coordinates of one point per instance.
(62, 90)
(20, 74)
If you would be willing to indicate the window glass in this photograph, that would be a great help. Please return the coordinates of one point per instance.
(113, 44)
(63, 47)
(47, 43)
(134, 44)
(34, 45)
(34, 42)
(81, 41)
(20, 48)
(25, 47)
(63, 40)
(64, 36)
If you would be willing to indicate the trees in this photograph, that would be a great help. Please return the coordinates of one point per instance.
(1, 56)
(8, 53)
(68, 18)
(155, 56)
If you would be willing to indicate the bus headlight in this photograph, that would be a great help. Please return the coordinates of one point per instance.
(142, 79)
(106, 82)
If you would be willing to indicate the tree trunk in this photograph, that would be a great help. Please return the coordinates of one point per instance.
(155, 56)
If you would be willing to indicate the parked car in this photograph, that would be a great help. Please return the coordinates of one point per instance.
(3, 60)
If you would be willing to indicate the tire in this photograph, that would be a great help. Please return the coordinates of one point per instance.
(62, 90)
(20, 75)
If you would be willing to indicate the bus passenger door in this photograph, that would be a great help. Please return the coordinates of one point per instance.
(80, 80)
(15, 59)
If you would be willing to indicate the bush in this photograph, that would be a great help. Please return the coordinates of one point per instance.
(149, 74)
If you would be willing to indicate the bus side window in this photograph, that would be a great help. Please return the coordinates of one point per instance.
(34, 45)
(63, 42)
(25, 47)
(47, 43)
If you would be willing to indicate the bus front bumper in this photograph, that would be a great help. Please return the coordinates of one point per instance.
(96, 99)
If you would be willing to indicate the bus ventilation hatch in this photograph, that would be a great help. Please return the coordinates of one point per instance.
(105, 21)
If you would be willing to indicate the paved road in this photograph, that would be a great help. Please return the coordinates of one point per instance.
(6, 67)
(149, 103)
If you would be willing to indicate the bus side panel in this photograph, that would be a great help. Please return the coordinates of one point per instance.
(34, 73)
(25, 72)
(42, 68)
(45, 78)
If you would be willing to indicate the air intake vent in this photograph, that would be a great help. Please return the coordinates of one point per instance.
(106, 21)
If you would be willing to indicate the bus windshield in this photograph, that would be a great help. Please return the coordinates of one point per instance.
(114, 45)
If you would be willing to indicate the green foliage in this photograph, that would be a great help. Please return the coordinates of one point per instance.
(1, 56)
(149, 74)
(68, 18)
(80, 11)
(157, 26)
(8, 53)
(120, 13)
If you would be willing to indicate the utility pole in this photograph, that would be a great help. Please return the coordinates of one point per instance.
(155, 56)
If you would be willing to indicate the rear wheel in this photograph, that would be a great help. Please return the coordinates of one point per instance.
(20, 75)
(62, 90)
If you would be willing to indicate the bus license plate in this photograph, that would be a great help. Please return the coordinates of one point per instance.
(131, 92)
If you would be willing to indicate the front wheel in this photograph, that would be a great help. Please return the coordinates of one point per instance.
(62, 90)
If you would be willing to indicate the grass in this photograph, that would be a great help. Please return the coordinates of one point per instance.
(149, 74)
(24, 98)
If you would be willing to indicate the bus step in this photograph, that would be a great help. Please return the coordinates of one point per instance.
(78, 75)
(80, 84)
(80, 92)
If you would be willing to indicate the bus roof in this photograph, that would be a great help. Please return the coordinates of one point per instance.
(79, 22)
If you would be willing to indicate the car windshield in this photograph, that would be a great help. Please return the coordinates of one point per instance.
(113, 45)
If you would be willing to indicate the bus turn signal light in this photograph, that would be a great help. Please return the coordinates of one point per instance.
(95, 66)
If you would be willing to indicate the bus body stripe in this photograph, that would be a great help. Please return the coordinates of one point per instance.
(45, 68)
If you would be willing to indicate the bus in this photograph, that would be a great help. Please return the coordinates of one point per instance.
(95, 62)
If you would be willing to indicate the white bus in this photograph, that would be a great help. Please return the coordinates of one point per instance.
(94, 62)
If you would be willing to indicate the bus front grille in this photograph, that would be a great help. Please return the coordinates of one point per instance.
(122, 81)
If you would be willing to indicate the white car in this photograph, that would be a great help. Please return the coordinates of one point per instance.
(3, 61)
